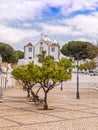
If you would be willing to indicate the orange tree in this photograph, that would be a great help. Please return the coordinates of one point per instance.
(49, 75)
(52, 74)
(27, 75)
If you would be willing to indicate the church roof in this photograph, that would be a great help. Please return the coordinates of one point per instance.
(54, 44)
(46, 41)
(29, 44)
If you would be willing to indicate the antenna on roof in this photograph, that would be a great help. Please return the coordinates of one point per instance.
(55, 37)
(55, 41)
(46, 37)
(41, 36)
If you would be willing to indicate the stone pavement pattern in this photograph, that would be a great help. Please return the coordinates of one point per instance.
(66, 113)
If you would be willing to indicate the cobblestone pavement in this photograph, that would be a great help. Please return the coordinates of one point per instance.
(66, 113)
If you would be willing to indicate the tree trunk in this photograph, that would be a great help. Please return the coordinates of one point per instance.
(28, 90)
(45, 99)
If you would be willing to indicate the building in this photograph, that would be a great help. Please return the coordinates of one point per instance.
(31, 51)
(6, 79)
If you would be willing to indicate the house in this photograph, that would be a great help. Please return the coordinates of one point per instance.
(6, 79)
(31, 51)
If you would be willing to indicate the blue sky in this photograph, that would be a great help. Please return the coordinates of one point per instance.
(23, 21)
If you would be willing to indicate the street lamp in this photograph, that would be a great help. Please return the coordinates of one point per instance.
(79, 55)
(77, 93)
(0, 75)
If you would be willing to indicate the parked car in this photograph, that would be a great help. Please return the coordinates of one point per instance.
(93, 73)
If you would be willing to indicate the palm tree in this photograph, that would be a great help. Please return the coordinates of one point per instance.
(42, 56)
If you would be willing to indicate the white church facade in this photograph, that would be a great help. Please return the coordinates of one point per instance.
(31, 51)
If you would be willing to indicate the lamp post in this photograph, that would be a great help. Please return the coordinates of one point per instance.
(77, 93)
(0, 75)
(79, 55)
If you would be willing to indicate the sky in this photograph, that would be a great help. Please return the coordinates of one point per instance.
(23, 21)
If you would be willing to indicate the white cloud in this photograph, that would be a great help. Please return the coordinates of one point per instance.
(79, 5)
(27, 25)
(22, 11)
(86, 24)
(55, 29)
(30, 9)
(14, 35)
(58, 29)
(83, 27)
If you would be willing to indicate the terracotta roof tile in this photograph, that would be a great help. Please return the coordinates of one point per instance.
(54, 44)
(4, 64)
(29, 44)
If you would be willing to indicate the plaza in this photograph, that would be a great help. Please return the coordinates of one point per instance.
(17, 112)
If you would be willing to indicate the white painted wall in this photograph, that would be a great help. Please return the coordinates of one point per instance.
(28, 54)
(7, 79)
(55, 53)
(37, 48)
(47, 46)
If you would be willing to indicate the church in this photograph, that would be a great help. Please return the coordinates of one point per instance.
(31, 51)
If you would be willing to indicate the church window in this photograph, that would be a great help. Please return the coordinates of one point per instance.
(41, 48)
(41, 43)
(53, 49)
(30, 49)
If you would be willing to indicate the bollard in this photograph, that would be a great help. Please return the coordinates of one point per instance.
(0, 91)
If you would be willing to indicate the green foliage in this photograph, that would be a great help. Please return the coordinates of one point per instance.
(27, 73)
(66, 63)
(42, 57)
(19, 54)
(48, 75)
(54, 71)
(20, 73)
(82, 67)
(49, 57)
(88, 65)
(84, 49)
(92, 51)
(9, 54)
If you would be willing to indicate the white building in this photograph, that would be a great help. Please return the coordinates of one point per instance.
(31, 51)
(6, 79)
